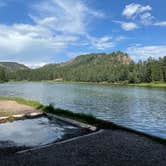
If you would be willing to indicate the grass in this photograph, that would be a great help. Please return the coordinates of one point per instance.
(123, 83)
(152, 84)
(31, 103)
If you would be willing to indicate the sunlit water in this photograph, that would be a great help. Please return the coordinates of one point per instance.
(33, 132)
(143, 109)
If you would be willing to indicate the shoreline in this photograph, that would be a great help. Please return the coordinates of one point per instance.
(84, 118)
(109, 143)
(118, 84)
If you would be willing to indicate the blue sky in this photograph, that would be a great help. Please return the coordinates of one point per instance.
(36, 32)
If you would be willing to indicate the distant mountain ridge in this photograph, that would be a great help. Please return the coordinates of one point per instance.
(13, 66)
(96, 58)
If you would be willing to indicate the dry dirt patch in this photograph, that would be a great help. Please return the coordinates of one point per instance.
(8, 107)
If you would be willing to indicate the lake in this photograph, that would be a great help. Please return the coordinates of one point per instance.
(143, 109)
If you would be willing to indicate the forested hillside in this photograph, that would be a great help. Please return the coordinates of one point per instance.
(114, 67)
(2, 75)
(8, 70)
(13, 66)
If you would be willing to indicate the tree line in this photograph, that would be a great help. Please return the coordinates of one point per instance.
(112, 68)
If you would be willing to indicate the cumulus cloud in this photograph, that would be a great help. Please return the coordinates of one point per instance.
(133, 9)
(139, 15)
(143, 52)
(127, 26)
(147, 18)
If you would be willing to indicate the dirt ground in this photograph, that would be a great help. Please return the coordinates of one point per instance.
(8, 107)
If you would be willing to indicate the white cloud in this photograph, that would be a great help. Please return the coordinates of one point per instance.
(141, 14)
(30, 43)
(127, 26)
(64, 16)
(143, 52)
(147, 18)
(102, 43)
(133, 9)
(57, 25)
(161, 23)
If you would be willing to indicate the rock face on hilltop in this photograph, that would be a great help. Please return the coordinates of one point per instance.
(100, 59)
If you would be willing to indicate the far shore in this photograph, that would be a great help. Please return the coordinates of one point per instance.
(125, 84)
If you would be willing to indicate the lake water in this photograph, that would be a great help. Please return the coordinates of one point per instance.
(143, 109)
(33, 132)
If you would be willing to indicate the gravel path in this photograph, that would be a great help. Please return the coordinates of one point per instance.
(8, 107)
(106, 148)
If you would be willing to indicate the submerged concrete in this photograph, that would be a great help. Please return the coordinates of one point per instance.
(105, 148)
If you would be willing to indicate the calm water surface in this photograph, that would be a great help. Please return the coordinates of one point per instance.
(143, 109)
(33, 132)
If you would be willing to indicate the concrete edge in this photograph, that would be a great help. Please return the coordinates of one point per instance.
(21, 116)
(94, 130)
(73, 122)
(60, 142)
(36, 114)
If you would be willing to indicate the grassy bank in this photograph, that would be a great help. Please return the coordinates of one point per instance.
(153, 84)
(123, 83)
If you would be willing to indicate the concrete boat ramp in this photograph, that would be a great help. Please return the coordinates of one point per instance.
(100, 148)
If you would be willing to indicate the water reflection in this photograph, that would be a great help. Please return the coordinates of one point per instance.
(32, 132)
